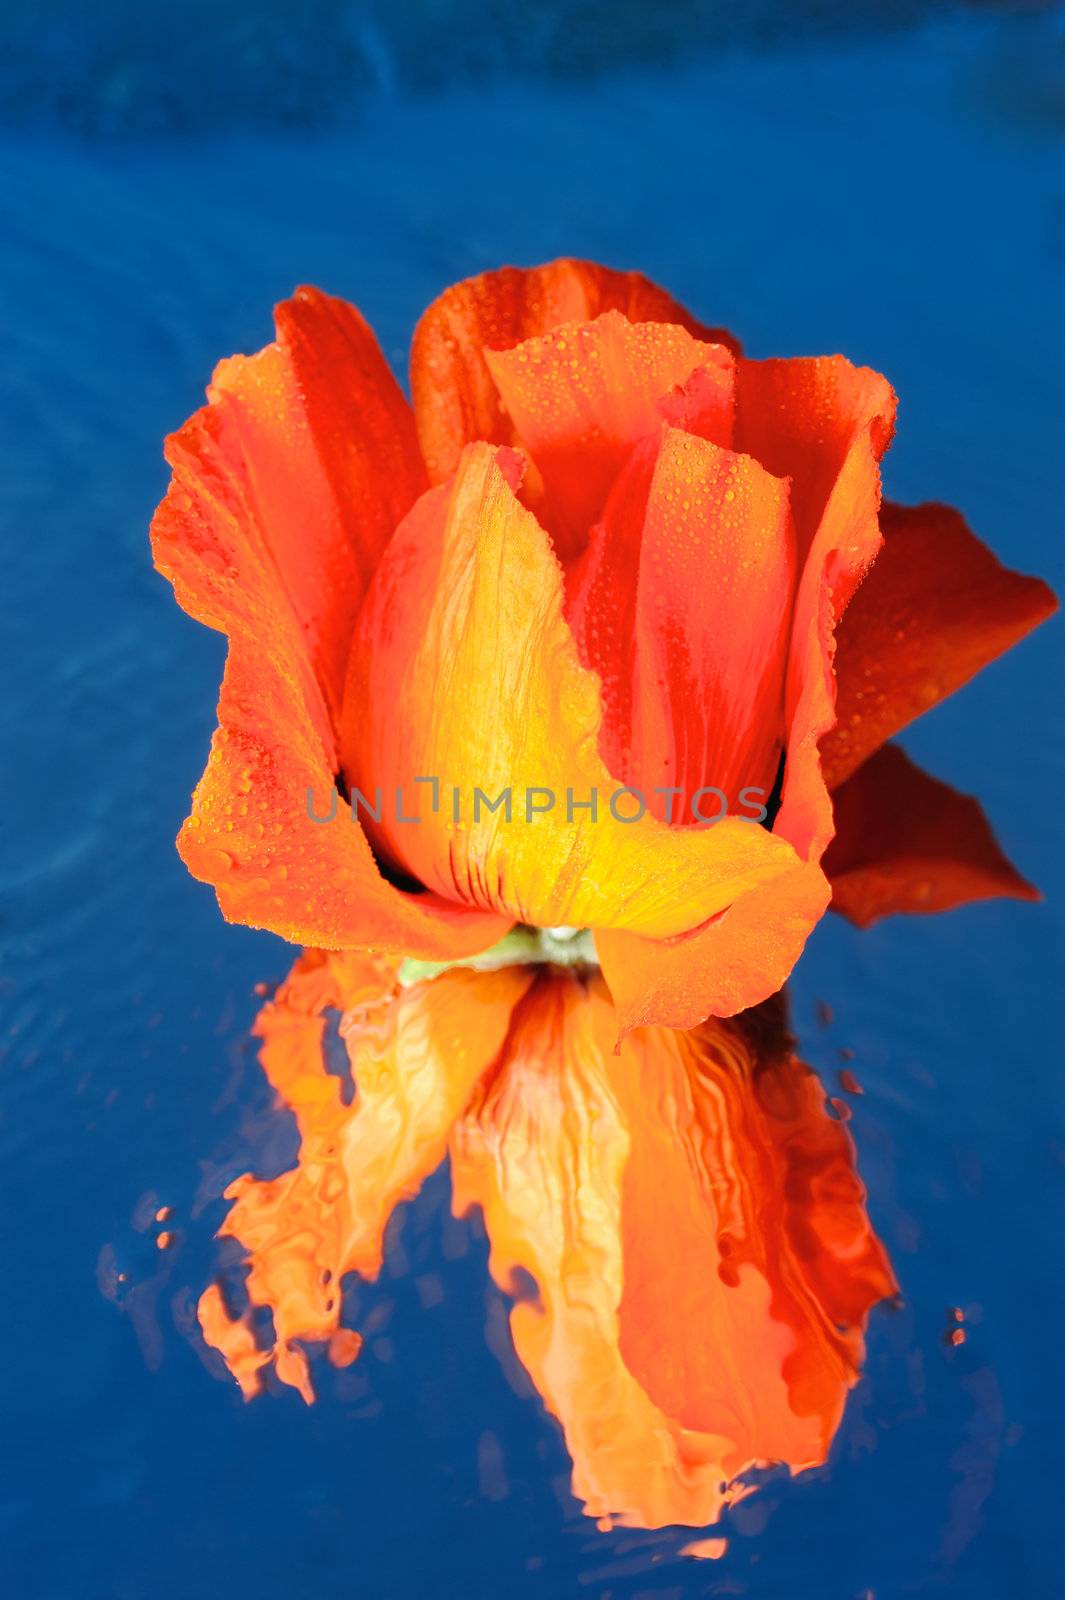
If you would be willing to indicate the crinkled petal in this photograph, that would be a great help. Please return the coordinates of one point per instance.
(936, 607)
(581, 396)
(415, 1055)
(687, 1241)
(464, 668)
(906, 842)
(285, 488)
(455, 400)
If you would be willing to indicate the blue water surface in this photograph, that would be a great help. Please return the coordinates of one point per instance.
(897, 198)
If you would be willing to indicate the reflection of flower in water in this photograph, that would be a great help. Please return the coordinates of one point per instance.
(687, 1211)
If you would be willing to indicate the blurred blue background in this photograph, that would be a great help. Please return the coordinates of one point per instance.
(881, 180)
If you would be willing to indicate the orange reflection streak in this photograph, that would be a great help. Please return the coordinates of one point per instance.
(692, 1219)
(687, 1210)
(415, 1056)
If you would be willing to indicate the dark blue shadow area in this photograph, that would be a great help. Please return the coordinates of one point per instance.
(894, 198)
(118, 70)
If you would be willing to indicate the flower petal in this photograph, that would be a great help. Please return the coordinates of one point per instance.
(464, 668)
(737, 960)
(824, 424)
(581, 396)
(455, 400)
(690, 1220)
(682, 605)
(936, 608)
(906, 842)
(801, 417)
(285, 488)
(415, 1055)
(851, 414)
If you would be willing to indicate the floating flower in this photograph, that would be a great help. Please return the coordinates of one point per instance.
(603, 555)
(679, 1222)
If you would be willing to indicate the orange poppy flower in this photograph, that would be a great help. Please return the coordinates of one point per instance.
(602, 555)
(679, 1222)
